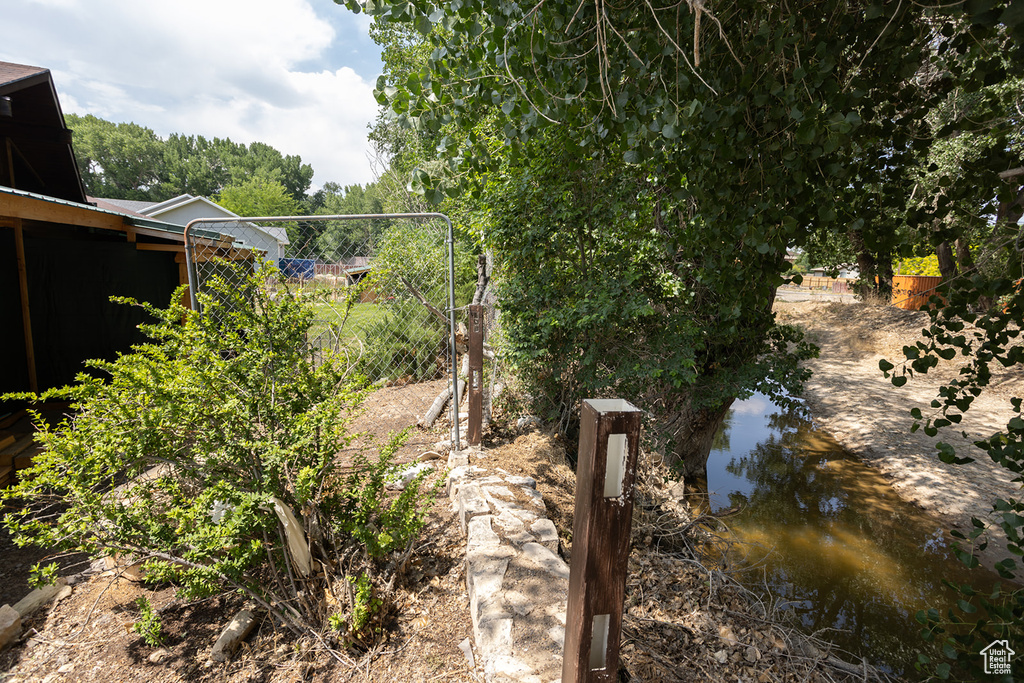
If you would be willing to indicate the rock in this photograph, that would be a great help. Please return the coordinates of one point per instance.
(467, 649)
(429, 455)
(471, 504)
(457, 458)
(519, 603)
(64, 592)
(37, 598)
(232, 635)
(522, 482)
(10, 625)
(721, 656)
(547, 535)
(158, 656)
(528, 422)
(480, 535)
(546, 559)
(402, 479)
(66, 668)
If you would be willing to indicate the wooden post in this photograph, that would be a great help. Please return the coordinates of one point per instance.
(605, 474)
(26, 318)
(476, 374)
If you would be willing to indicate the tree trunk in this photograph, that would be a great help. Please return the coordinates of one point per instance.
(964, 260)
(692, 434)
(947, 266)
(865, 264)
(884, 267)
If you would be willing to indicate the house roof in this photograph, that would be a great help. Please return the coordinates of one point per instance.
(42, 158)
(12, 73)
(132, 205)
(215, 211)
(21, 204)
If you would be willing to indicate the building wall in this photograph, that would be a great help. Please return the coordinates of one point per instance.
(242, 231)
(70, 281)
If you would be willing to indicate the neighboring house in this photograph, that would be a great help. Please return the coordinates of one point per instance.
(184, 208)
(62, 255)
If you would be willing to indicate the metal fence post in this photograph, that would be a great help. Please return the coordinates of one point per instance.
(605, 475)
(476, 374)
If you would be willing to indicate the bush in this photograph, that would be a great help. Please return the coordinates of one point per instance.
(407, 340)
(211, 455)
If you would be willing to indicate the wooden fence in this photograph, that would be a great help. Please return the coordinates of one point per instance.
(840, 285)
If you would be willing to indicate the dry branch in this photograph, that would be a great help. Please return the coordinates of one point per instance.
(423, 300)
(438, 405)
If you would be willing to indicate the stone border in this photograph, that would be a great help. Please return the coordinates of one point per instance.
(517, 583)
(10, 617)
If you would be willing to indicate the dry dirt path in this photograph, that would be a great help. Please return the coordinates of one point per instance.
(849, 398)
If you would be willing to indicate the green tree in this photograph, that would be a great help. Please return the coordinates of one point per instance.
(260, 159)
(128, 161)
(764, 133)
(257, 196)
(192, 165)
(116, 160)
(340, 239)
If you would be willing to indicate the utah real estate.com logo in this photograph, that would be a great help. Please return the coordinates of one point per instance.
(997, 657)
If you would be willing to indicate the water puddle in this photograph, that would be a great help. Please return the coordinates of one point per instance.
(831, 539)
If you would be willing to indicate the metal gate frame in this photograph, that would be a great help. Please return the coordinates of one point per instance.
(193, 277)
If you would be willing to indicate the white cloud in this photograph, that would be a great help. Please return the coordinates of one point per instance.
(758, 404)
(245, 69)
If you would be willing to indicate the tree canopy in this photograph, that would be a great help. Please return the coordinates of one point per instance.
(129, 161)
(642, 168)
(747, 128)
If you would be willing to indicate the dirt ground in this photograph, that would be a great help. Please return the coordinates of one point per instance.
(849, 398)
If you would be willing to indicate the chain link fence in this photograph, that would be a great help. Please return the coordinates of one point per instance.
(382, 288)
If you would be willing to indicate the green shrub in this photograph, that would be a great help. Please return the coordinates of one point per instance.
(210, 453)
(148, 626)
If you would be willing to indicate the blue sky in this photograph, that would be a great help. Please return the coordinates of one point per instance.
(296, 74)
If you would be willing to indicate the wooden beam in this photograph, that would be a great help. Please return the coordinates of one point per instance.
(34, 132)
(149, 246)
(26, 318)
(186, 297)
(9, 158)
(162, 234)
(476, 374)
(605, 474)
(130, 234)
(33, 209)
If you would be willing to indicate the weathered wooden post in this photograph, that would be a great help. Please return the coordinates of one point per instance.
(476, 374)
(605, 474)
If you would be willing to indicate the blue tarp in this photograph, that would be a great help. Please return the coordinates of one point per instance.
(298, 268)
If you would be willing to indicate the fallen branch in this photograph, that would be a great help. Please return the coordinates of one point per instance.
(438, 405)
(423, 300)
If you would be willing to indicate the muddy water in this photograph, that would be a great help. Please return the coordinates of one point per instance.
(830, 539)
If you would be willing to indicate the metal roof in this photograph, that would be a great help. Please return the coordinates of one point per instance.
(134, 220)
